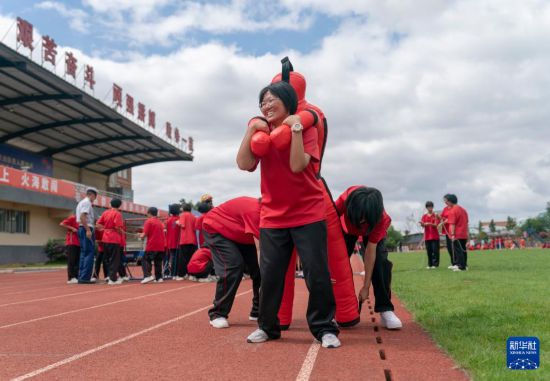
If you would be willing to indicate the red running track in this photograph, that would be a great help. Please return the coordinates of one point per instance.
(50, 330)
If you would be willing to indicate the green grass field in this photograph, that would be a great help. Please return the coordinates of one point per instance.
(471, 314)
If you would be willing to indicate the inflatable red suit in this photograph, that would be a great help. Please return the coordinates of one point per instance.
(347, 313)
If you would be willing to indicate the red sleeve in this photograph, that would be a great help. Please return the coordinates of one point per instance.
(310, 143)
(67, 221)
(340, 204)
(101, 220)
(380, 230)
(252, 224)
(146, 227)
(451, 217)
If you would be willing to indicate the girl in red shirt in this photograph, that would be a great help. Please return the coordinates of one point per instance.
(111, 223)
(292, 215)
(362, 215)
(188, 241)
(458, 231)
(443, 218)
(429, 222)
(153, 230)
(72, 246)
(172, 230)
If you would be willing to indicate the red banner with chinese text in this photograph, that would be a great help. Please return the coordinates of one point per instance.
(57, 187)
(37, 183)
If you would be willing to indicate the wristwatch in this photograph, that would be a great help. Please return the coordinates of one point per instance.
(297, 127)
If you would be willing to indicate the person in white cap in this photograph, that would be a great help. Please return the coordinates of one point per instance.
(86, 218)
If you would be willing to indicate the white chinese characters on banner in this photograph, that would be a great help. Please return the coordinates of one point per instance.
(25, 178)
(5, 176)
(35, 182)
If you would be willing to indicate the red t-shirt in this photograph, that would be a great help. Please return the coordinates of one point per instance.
(71, 238)
(290, 199)
(459, 217)
(378, 233)
(154, 232)
(430, 232)
(198, 228)
(111, 219)
(172, 232)
(187, 224)
(199, 261)
(237, 219)
(445, 216)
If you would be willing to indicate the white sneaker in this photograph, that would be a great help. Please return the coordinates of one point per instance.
(428, 267)
(451, 267)
(72, 281)
(126, 279)
(118, 281)
(93, 279)
(178, 278)
(160, 280)
(186, 277)
(390, 320)
(458, 269)
(220, 322)
(258, 336)
(148, 279)
(330, 340)
(192, 278)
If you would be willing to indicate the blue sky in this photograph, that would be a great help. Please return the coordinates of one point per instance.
(100, 39)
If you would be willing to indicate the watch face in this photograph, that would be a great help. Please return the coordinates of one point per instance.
(297, 127)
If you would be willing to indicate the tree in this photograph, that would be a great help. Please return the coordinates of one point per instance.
(538, 224)
(393, 238)
(510, 223)
(481, 234)
(492, 226)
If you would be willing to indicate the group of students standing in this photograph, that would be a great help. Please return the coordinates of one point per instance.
(453, 223)
(173, 241)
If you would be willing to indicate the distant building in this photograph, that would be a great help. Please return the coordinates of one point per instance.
(55, 140)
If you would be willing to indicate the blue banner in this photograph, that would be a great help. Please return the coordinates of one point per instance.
(18, 158)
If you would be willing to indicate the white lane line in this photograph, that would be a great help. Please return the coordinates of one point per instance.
(34, 290)
(115, 342)
(62, 296)
(98, 306)
(309, 362)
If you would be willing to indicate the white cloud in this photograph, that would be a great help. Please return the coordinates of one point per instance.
(77, 17)
(457, 104)
(149, 23)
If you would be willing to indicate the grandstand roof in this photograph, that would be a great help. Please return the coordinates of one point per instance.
(45, 114)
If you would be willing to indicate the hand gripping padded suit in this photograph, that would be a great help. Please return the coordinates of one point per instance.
(347, 313)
